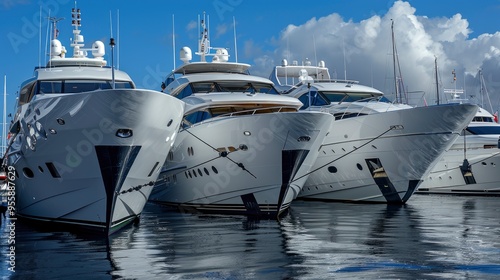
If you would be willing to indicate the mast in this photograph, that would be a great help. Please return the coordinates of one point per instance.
(437, 82)
(394, 62)
(204, 42)
(4, 124)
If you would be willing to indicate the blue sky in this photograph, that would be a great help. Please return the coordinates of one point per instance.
(463, 34)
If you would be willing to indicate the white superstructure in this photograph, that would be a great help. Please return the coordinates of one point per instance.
(376, 151)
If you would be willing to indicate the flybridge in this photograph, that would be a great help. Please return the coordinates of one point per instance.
(291, 75)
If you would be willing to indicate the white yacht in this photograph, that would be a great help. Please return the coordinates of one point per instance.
(87, 146)
(376, 151)
(469, 165)
(242, 149)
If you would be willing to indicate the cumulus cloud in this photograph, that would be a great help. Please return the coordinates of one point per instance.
(365, 49)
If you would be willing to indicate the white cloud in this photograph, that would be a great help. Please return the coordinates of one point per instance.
(367, 48)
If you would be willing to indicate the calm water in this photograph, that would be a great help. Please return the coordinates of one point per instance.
(432, 237)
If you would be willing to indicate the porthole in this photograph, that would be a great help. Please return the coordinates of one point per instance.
(215, 170)
(185, 173)
(332, 169)
(199, 172)
(484, 163)
(28, 172)
(169, 123)
(206, 171)
(189, 173)
(359, 166)
(194, 173)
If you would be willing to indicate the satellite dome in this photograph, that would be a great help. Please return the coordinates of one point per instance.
(186, 54)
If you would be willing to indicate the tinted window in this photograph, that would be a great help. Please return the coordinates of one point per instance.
(197, 117)
(484, 130)
(316, 99)
(74, 86)
(50, 86)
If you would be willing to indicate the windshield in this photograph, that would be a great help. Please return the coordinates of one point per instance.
(74, 86)
(227, 86)
(336, 96)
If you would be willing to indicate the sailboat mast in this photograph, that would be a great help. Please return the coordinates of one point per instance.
(437, 82)
(394, 62)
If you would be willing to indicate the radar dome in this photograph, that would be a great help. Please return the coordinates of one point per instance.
(98, 49)
(55, 48)
(321, 64)
(222, 55)
(284, 62)
(185, 54)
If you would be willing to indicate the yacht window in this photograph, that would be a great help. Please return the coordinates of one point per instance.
(80, 86)
(84, 86)
(236, 86)
(74, 86)
(26, 93)
(187, 91)
(316, 99)
(229, 86)
(264, 88)
(196, 117)
(120, 84)
(484, 130)
(50, 86)
(482, 119)
(203, 87)
(336, 97)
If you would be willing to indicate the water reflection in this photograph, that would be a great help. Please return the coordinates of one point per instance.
(436, 237)
(432, 237)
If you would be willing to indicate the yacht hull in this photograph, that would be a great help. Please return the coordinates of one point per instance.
(449, 176)
(382, 157)
(258, 167)
(91, 159)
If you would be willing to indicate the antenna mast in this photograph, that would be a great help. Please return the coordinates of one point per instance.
(394, 62)
(235, 45)
(204, 42)
(76, 21)
(173, 40)
(437, 82)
